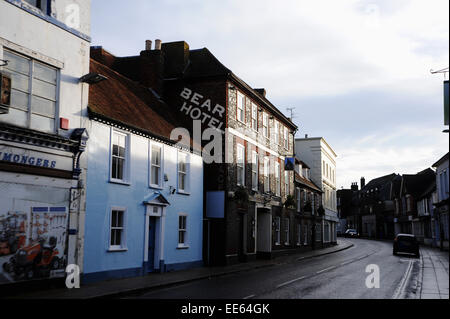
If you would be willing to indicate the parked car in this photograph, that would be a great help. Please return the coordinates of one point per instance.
(406, 243)
(351, 233)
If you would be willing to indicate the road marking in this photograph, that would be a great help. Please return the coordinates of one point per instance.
(290, 282)
(323, 270)
(249, 297)
(400, 289)
(348, 262)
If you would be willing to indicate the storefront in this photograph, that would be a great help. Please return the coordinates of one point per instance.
(39, 191)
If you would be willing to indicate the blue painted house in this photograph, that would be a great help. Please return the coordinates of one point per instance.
(144, 204)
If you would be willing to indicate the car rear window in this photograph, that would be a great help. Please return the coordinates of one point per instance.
(406, 238)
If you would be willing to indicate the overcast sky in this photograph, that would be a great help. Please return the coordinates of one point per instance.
(357, 72)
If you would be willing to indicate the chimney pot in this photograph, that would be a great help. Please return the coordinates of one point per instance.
(148, 45)
(157, 44)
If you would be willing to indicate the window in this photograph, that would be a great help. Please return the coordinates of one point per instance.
(254, 117)
(240, 164)
(286, 138)
(277, 231)
(156, 168)
(183, 173)
(299, 234)
(276, 132)
(255, 169)
(313, 203)
(43, 5)
(34, 93)
(265, 125)
(326, 232)
(182, 231)
(277, 179)
(117, 229)
(286, 182)
(240, 113)
(119, 160)
(323, 167)
(286, 230)
(298, 199)
(266, 175)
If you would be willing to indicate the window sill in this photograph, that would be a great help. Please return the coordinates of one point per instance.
(156, 187)
(184, 193)
(119, 182)
(277, 244)
(117, 250)
(183, 247)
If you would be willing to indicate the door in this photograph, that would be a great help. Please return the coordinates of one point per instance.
(151, 244)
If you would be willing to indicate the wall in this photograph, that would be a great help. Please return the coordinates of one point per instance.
(102, 195)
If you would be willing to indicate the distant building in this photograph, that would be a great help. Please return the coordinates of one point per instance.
(412, 190)
(309, 221)
(321, 158)
(441, 218)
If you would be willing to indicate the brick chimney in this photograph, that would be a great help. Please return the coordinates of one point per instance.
(261, 92)
(354, 186)
(176, 58)
(363, 182)
(151, 67)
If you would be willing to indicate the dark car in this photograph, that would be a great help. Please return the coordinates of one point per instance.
(406, 243)
(351, 233)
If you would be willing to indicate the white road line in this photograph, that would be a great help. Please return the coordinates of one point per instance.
(400, 289)
(348, 262)
(249, 297)
(290, 282)
(326, 269)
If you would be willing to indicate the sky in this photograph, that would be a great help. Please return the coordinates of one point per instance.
(357, 72)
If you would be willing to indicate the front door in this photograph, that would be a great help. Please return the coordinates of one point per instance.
(151, 244)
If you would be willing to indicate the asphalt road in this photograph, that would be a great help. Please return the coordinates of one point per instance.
(340, 275)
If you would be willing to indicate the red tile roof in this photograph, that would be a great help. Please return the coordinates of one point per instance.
(306, 182)
(129, 103)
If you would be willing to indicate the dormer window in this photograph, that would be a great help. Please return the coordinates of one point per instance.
(43, 5)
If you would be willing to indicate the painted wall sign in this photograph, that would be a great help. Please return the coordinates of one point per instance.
(33, 158)
(33, 244)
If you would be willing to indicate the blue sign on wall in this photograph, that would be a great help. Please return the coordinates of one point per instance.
(289, 164)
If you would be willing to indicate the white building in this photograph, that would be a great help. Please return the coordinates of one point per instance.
(321, 159)
(44, 50)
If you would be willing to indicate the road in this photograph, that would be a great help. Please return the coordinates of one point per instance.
(340, 275)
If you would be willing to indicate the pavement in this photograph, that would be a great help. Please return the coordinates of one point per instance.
(137, 285)
(434, 279)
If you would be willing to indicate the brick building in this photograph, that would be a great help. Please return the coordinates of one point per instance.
(246, 186)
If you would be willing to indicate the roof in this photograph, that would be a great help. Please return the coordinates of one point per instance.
(202, 63)
(303, 164)
(418, 184)
(300, 179)
(128, 103)
(317, 138)
(443, 159)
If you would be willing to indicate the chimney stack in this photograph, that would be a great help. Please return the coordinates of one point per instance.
(354, 186)
(157, 44)
(363, 182)
(306, 135)
(148, 45)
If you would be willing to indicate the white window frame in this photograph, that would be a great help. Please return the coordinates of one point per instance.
(123, 244)
(254, 117)
(161, 165)
(240, 107)
(266, 174)
(187, 174)
(287, 189)
(277, 179)
(240, 164)
(276, 132)
(287, 230)
(277, 230)
(298, 198)
(31, 93)
(286, 138)
(185, 244)
(265, 126)
(255, 170)
(126, 167)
